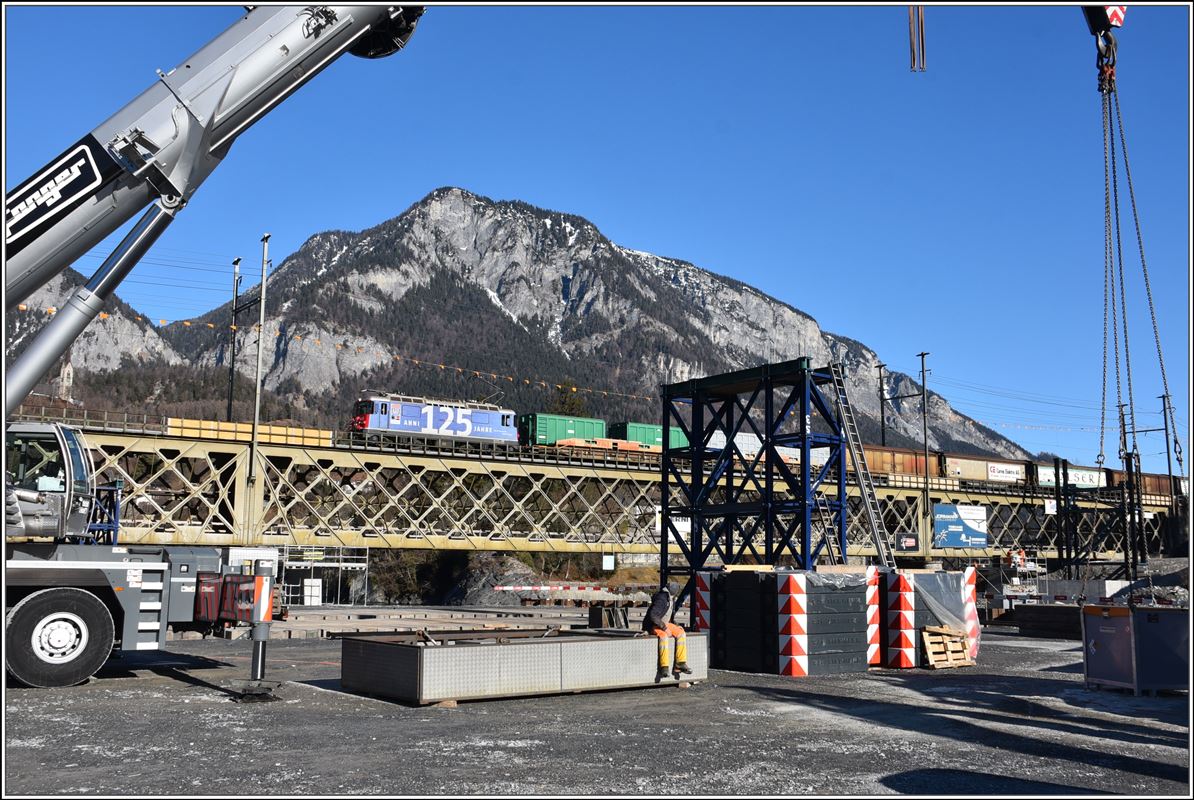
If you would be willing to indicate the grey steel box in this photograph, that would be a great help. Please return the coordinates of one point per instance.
(478, 666)
(1142, 648)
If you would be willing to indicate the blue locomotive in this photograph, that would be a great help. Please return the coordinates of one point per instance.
(376, 412)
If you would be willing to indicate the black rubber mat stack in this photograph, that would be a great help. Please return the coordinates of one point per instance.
(743, 621)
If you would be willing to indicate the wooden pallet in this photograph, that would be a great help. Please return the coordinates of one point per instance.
(945, 647)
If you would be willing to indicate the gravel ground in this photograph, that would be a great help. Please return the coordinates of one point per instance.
(1019, 723)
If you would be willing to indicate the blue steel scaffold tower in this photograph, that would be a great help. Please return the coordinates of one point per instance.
(747, 496)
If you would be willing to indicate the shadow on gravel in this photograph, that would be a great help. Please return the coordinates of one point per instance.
(1013, 695)
(127, 663)
(179, 675)
(956, 781)
(948, 708)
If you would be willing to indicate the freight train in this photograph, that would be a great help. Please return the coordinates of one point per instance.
(380, 414)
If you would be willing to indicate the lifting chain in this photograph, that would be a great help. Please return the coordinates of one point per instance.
(1113, 267)
(1107, 267)
(1123, 305)
(1152, 311)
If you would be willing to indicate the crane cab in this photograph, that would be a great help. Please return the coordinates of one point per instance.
(49, 486)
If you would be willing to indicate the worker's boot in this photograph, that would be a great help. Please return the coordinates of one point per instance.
(660, 674)
(682, 667)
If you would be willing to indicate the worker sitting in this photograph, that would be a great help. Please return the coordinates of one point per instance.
(658, 621)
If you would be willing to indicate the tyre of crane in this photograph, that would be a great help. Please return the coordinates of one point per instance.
(57, 637)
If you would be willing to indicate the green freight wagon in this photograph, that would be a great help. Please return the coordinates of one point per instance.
(647, 434)
(550, 428)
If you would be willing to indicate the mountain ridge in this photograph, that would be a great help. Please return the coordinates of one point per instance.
(493, 286)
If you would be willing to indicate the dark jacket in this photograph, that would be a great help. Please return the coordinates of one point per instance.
(660, 612)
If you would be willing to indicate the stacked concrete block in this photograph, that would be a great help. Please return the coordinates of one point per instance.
(833, 614)
(874, 655)
(902, 652)
(794, 623)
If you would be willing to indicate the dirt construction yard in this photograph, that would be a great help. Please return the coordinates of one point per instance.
(1021, 722)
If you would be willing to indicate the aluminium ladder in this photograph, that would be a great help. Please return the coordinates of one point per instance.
(866, 486)
(825, 517)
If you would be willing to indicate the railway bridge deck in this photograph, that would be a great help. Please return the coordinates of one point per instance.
(189, 482)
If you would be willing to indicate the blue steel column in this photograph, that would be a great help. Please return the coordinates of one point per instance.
(697, 523)
(769, 521)
(805, 478)
(665, 514)
(729, 520)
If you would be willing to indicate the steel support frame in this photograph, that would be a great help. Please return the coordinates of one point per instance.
(758, 504)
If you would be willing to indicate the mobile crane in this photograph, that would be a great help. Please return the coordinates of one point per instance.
(70, 595)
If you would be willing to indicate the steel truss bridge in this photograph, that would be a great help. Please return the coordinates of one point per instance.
(197, 491)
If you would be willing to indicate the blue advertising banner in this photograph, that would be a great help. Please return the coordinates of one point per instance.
(959, 526)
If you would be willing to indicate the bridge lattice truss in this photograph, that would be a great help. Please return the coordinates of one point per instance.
(190, 491)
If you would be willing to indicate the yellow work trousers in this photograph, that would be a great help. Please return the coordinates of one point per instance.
(672, 631)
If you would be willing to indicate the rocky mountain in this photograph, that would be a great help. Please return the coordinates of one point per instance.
(122, 336)
(515, 300)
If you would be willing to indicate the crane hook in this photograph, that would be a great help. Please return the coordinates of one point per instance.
(1105, 60)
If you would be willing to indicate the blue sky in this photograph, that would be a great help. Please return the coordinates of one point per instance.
(958, 211)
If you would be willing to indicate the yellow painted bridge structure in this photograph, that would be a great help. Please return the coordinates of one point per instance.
(205, 483)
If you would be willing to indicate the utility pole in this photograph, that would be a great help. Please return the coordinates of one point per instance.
(232, 334)
(1139, 479)
(924, 425)
(1170, 521)
(1165, 411)
(260, 343)
(882, 408)
(1128, 495)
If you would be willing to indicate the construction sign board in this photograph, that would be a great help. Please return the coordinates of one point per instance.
(956, 525)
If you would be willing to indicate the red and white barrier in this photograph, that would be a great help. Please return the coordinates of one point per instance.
(969, 599)
(701, 601)
(872, 617)
(793, 625)
(263, 599)
(901, 622)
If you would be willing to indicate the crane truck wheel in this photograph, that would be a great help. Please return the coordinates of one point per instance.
(57, 637)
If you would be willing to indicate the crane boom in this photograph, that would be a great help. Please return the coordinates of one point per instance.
(158, 149)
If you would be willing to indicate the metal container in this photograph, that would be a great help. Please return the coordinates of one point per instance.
(545, 429)
(484, 665)
(893, 461)
(970, 469)
(1142, 648)
(647, 434)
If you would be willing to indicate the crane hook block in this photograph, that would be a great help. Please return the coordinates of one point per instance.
(1101, 19)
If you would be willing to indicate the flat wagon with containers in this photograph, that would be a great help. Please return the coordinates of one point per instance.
(380, 414)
